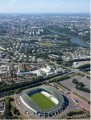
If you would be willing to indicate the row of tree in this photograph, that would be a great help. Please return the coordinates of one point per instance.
(84, 66)
(60, 78)
(83, 89)
(80, 86)
(7, 113)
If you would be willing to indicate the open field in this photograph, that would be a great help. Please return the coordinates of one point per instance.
(42, 101)
(69, 84)
(46, 44)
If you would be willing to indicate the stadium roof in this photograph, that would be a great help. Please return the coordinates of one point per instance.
(53, 91)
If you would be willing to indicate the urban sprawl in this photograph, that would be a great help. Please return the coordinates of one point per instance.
(45, 50)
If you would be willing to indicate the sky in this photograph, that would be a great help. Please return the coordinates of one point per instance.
(44, 6)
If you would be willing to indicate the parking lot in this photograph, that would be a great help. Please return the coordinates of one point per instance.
(69, 84)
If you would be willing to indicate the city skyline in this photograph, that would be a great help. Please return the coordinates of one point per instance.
(45, 6)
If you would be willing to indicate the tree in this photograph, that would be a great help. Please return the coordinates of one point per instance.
(17, 91)
(75, 81)
(80, 84)
(7, 112)
(14, 110)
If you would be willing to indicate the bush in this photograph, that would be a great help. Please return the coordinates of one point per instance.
(13, 109)
(17, 91)
(83, 89)
(75, 81)
(71, 113)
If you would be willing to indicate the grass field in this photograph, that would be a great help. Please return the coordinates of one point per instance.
(47, 44)
(42, 101)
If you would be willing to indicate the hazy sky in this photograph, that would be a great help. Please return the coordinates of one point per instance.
(44, 6)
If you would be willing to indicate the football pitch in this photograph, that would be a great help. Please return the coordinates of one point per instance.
(42, 101)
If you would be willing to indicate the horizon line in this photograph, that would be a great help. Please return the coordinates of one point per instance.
(44, 13)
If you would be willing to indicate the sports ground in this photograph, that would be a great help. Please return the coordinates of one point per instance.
(43, 101)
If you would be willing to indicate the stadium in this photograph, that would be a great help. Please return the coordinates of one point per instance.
(44, 100)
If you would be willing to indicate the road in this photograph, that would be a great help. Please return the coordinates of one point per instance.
(18, 107)
(82, 103)
(70, 68)
(2, 98)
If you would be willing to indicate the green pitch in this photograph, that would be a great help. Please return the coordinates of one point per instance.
(42, 101)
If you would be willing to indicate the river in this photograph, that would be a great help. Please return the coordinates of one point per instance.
(75, 40)
(80, 42)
